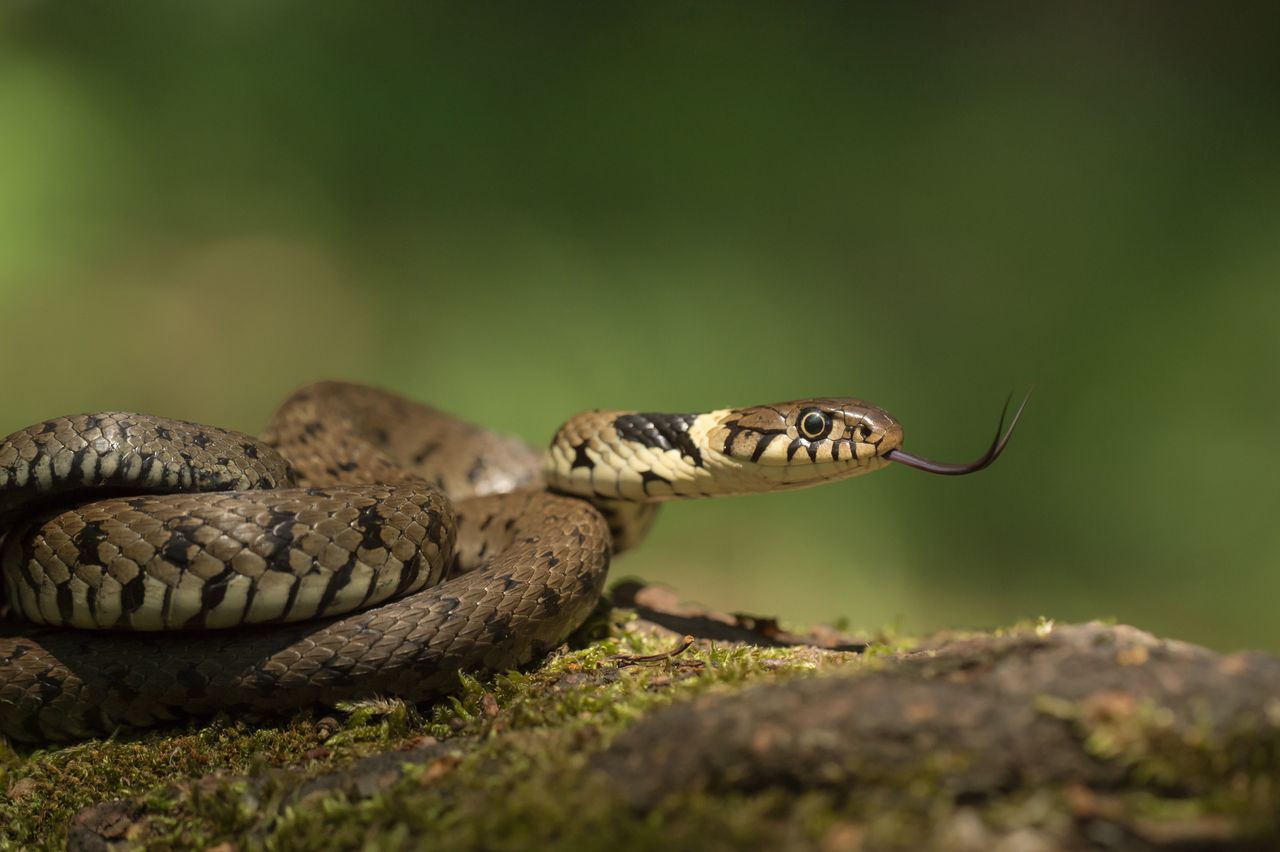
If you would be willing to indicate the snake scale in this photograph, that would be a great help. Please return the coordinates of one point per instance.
(156, 569)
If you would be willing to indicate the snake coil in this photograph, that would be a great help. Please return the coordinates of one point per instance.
(157, 569)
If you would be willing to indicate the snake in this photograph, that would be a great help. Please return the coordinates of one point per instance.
(363, 545)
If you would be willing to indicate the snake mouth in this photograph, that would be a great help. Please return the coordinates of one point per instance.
(993, 452)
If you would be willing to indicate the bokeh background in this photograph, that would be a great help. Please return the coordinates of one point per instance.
(519, 213)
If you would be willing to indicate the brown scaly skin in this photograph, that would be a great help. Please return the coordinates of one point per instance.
(547, 559)
(340, 487)
(64, 684)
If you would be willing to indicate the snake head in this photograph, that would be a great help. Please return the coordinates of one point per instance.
(648, 456)
(803, 442)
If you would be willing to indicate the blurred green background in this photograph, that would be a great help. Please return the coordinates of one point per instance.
(519, 213)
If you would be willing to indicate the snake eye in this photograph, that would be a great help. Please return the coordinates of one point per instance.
(814, 425)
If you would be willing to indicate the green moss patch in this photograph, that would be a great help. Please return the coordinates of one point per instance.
(954, 742)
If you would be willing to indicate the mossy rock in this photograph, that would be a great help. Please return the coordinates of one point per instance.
(1037, 737)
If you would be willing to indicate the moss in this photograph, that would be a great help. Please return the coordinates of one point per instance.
(516, 723)
(502, 765)
(1181, 772)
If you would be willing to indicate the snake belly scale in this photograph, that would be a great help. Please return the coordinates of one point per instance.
(156, 569)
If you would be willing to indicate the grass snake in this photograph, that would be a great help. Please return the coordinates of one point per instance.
(156, 569)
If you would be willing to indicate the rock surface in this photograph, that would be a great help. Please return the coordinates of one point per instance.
(1042, 737)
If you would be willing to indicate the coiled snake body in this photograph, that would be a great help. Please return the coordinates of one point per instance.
(323, 562)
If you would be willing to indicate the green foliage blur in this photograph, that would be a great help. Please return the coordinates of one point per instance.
(520, 211)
